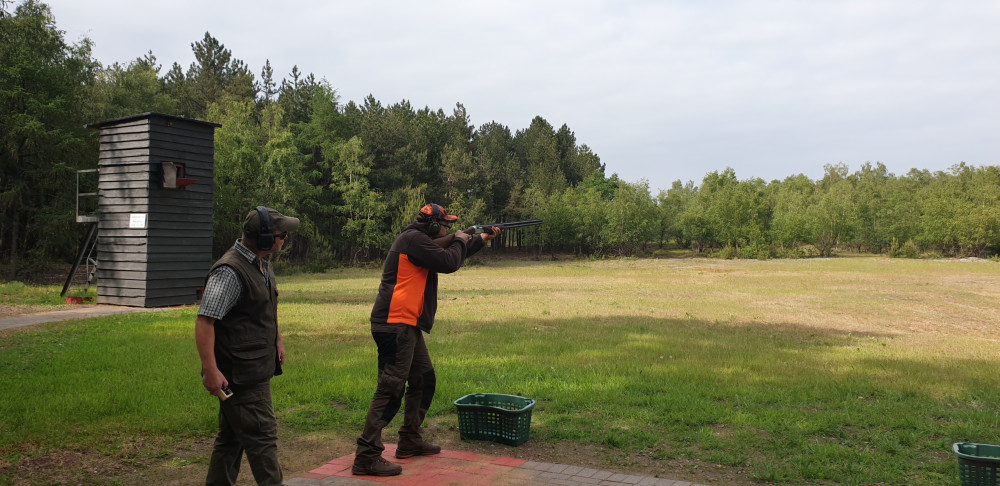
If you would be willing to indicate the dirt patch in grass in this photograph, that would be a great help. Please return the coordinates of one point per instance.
(66, 467)
(152, 463)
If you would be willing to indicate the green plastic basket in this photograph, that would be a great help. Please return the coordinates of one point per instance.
(977, 463)
(495, 417)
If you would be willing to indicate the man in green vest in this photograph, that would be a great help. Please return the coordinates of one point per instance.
(241, 349)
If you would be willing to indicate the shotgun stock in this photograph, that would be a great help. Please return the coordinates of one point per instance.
(473, 230)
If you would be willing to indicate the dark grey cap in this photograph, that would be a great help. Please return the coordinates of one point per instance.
(279, 222)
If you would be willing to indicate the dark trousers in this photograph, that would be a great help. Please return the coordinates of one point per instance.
(246, 424)
(403, 363)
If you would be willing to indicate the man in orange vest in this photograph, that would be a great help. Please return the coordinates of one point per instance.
(403, 311)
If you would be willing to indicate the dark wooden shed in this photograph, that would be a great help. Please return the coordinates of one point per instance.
(154, 237)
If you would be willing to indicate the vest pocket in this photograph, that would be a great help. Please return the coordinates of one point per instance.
(253, 365)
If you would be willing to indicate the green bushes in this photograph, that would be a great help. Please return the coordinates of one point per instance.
(907, 250)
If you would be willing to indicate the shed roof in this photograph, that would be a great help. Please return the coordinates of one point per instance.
(118, 121)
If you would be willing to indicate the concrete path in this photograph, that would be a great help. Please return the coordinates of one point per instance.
(454, 468)
(72, 311)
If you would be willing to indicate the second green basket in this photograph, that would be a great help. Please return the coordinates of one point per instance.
(977, 463)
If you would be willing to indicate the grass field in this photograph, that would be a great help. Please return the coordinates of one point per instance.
(853, 370)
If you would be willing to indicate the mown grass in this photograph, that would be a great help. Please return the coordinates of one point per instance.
(841, 371)
(22, 294)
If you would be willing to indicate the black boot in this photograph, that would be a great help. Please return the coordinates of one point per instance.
(416, 448)
(376, 467)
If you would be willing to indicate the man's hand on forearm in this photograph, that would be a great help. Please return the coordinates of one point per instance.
(204, 336)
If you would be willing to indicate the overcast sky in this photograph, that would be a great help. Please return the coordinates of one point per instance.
(660, 90)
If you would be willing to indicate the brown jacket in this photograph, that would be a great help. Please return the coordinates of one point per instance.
(408, 292)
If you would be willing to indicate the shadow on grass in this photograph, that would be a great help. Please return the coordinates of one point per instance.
(366, 297)
(790, 403)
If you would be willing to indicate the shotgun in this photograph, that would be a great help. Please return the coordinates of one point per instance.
(473, 230)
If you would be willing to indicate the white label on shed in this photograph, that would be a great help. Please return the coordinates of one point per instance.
(137, 220)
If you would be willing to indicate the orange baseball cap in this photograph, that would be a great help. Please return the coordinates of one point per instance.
(433, 211)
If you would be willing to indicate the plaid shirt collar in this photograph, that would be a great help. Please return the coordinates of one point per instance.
(250, 255)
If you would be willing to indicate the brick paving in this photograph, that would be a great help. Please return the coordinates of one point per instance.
(455, 468)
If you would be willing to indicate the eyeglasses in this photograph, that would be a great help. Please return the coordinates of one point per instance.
(282, 235)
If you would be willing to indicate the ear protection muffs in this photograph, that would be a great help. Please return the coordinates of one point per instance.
(265, 236)
(434, 223)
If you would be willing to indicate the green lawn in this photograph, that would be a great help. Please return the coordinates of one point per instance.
(854, 370)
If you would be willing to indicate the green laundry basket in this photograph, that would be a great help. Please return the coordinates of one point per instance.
(495, 417)
(977, 463)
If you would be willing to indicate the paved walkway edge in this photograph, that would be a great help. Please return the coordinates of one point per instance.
(456, 468)
(83, 311)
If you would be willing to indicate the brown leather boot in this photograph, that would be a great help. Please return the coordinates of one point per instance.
(418, 448)
(377, 467)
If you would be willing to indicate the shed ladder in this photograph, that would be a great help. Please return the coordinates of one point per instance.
(88, 258)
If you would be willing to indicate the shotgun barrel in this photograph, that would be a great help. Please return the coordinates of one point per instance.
(479, 228)
(446, 240)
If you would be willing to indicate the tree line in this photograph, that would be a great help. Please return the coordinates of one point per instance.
(356, 172)
(952, 213)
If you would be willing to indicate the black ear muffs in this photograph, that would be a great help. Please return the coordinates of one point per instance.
(265, 237)
(434, 225)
